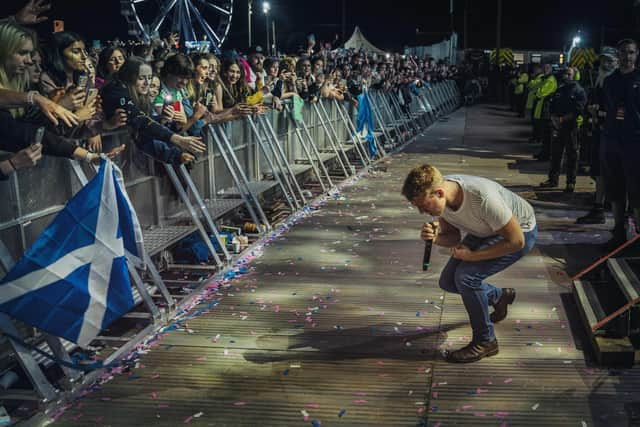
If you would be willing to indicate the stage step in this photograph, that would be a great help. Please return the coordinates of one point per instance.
(606, 298)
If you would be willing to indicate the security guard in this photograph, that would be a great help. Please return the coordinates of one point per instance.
(536, 81)
(608, 64)
(567, 105)
(541, 111)
(518, 92)
(620, 143)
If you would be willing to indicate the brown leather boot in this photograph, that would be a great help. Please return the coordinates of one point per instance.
(473, 352)
(500, 308)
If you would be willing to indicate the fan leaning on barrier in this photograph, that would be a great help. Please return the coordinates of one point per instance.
(194, 20)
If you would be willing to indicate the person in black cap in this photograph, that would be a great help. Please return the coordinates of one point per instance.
(608, 64)
(255, 57)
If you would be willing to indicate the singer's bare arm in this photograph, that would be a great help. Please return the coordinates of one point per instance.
(512, 241)
(448, 235)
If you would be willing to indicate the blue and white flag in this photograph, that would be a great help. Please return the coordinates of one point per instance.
(74, 281)
(366, 124)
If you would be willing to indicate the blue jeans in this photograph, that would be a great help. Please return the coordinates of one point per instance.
(467, 279)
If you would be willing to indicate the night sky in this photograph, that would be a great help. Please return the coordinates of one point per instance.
(543, 24)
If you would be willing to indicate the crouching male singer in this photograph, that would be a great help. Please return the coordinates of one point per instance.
(500, 228)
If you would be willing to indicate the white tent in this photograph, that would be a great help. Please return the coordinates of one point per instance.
(359, 42)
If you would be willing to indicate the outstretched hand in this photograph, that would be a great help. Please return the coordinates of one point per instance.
(30, 13)
(55, 111)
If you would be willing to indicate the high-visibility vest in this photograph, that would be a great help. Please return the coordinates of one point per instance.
(532, 87)
(523, 79)
(548, 87)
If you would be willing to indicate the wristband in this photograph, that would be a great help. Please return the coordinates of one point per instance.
(90, 157)
(30, 97)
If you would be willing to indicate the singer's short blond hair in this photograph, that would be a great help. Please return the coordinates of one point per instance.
(420, 181)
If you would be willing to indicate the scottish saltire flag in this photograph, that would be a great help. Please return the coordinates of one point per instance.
(74, 281)
(365, 123)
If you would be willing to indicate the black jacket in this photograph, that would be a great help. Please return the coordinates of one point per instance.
(621, 93)
(116, 95)
(569, 98)
(16, 134)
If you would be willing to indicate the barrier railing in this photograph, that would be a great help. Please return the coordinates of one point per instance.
(249, 163)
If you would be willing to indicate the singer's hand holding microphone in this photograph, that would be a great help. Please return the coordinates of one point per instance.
(428, 234)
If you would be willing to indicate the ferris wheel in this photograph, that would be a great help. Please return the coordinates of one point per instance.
(194, 20)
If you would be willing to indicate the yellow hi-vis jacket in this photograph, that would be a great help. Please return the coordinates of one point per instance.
(532, 87)
(548, 87)
(523, 79)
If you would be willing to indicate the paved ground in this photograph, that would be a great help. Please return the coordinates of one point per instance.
(336, 324)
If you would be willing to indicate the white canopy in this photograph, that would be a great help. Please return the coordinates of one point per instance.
(359, 42)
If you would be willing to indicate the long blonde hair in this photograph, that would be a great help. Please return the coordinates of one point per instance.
(12, 36)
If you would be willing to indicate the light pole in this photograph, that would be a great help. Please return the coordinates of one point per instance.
(574, 43)
(249, 11)
(266, 7)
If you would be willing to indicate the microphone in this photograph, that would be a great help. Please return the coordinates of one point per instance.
(427, 254)
(428, 244)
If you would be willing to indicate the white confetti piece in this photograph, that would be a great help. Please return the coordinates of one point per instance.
(536, 406)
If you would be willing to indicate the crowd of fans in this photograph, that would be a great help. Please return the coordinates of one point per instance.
(164, 95)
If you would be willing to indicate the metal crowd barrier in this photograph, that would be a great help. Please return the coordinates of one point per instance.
(248, 162)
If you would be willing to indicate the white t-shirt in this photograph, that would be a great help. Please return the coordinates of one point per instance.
(487, 207)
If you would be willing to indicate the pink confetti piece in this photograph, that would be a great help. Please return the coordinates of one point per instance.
(434, 394)
(239, 403)
(481, 390)
(188, 419)
(163, 406)
(380, 362)
(508, 380)
(154, 395)
(501, 414)
(360, 401)
(420, 411)
(77, 417)
(467, 407)
(154, 376)
(313, 405)
(201, 359)
(479, 414)
(438, 424)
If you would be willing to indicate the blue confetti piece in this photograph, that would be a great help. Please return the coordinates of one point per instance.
(417, 314)
(286, 372)
(338, 328)
(315, 423)
(434, 408)
(243, 270)
(341, 413)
